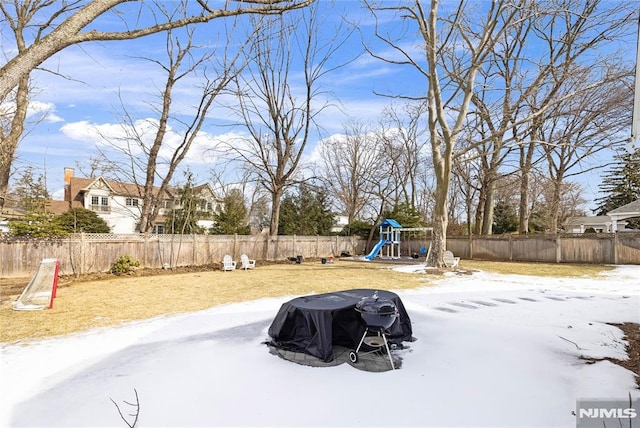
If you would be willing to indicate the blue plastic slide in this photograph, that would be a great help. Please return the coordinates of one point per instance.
(375, 250)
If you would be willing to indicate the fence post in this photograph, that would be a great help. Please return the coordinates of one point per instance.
(83, 251)
(558, 249)
(295, 245)
(510, 247)
(194, 243)
(145, 250)
(470, 246)
(615, 248)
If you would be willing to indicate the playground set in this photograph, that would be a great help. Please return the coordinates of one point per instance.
(388, 247)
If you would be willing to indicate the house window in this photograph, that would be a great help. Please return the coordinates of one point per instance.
(100, 204)
(132, 202)
(166, 205)
(206, 206)
(158, 229)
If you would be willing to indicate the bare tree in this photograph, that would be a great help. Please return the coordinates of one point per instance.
(581, 127)
(572, 33)
(145, 166)
(279, 112)
(403, 130)
(60, 24)
(349, 165)
(455, 38)
(466, 182)
(496, 105)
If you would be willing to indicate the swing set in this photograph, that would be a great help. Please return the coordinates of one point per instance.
(388, 247)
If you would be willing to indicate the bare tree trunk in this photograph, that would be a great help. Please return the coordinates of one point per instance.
(9, 139)
(526, 166)
(276, 201)
(523, 208)
(440, 213)
(487, 210)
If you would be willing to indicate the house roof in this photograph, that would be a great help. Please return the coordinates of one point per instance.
(631, 208)
(585, 220)
(57, 207)
(80, 185)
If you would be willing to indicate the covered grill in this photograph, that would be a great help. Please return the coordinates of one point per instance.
(378, 316)
(314, 324)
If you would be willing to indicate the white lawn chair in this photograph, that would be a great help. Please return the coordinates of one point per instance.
(228, 263)
(449, 260)
(246, 262)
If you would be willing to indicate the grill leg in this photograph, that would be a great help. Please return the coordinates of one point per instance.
(366, 330)
(393, 367)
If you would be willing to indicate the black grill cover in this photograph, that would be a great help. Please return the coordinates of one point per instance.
(313, 324)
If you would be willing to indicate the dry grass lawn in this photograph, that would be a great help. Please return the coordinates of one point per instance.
(82, 305)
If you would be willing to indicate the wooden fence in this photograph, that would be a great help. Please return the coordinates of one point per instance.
(88, 253)
(600, 248)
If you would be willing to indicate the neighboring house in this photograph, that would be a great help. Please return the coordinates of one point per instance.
(207, 205)
(12, 209)
(120, 204)
(629, 210)
(601, 224)
(339, 222)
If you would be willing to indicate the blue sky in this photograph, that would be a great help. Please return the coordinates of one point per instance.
(69, 111)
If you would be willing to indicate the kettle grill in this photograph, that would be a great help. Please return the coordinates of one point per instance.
(378, 315)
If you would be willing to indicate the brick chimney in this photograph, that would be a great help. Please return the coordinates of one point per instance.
(68, 174)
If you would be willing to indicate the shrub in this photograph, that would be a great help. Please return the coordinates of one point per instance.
(82, 220)
(37, 226)
(124, 265)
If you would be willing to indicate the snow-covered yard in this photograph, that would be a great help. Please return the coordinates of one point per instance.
(492, 350)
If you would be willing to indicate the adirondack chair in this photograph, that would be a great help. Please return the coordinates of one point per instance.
(246, 262)
(228, 263)
(449, 260)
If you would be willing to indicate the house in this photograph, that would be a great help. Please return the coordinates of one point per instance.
(120, 204)
(629, 210)
(339, 222)
(600, 223)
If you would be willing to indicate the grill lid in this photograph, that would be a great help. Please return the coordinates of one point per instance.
(376, 306)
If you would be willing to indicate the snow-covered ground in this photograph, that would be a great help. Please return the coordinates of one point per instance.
(492, 350)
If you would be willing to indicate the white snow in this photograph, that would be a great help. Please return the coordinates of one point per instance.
(492, 350)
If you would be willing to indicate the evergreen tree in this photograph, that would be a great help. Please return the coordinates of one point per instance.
(289, 215)
(305, 213)
(232, 217)
(32, 191)
(621, 184)
(357, 228)
(505, 218)
(37, 226)
(404, 214)
(79, 219)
